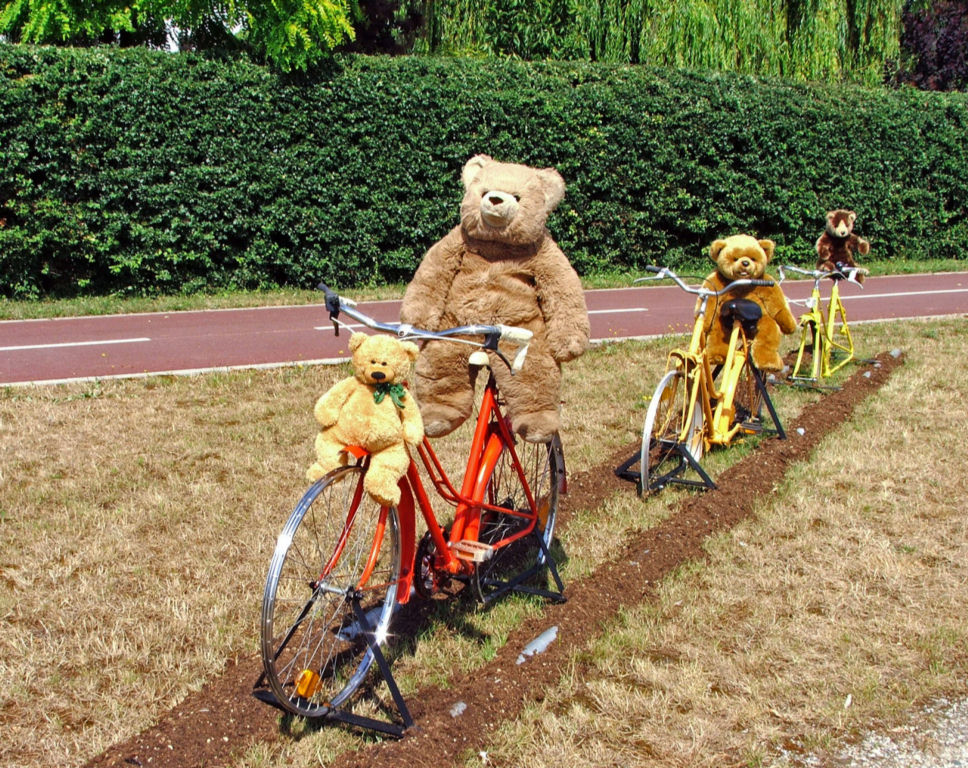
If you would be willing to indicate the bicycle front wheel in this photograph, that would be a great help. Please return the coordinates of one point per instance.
(543, 467)
(337, 548)
(668, 429)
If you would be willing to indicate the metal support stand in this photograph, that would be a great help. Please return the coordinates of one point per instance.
(768, 402)
(686, 461)
(517, 583)
(359, 721)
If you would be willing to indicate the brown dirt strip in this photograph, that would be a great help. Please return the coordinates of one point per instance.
(223, 718)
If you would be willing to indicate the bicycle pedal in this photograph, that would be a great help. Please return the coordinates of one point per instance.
(475, 551)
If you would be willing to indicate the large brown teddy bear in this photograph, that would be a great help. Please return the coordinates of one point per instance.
(838, 244)
(371, 409)
(739, 257)
(499, 265)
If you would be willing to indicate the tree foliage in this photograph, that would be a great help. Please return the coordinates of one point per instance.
(935, 42)
(798, 39)
(292, 34)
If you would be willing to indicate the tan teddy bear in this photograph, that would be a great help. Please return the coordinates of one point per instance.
(499, 265)
(738, 257)
(371, 409)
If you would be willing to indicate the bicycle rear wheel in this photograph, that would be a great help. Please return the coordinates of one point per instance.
(337, 547)
(748, 401)
(667, 430)
(809, 343)
(543, 466)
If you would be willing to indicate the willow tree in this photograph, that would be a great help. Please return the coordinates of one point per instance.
(799, 39)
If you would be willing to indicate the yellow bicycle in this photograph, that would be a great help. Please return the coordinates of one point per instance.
(689, 412)
(824, 336)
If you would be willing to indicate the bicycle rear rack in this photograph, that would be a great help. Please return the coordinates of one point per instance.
(340, 715)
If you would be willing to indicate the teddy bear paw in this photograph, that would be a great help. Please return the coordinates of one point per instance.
(314, 472)
(384, 494)
(440, 420)
(538, 427)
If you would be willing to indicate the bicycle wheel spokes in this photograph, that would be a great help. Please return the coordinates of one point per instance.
(337, 546)
(668, 430)
(748, 401)
(542, 464)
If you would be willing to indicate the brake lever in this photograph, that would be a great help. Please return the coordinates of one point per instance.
(332, 305)
(490, 344)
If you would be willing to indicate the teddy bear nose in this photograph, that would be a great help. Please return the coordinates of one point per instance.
(378, 375)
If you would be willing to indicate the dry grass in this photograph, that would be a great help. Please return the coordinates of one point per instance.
(841, 605)
(137, 519)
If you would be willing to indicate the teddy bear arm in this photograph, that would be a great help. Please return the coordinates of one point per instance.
(562, 303)
(413, 430)
(328, 406)
(862, 246)
(782, 314)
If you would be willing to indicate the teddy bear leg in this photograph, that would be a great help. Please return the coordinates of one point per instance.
(533, 396)
(382, 480)
(444, 384)
(765, 348)
(329, 456)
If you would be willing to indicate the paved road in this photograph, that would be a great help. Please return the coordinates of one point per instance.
(63, 349)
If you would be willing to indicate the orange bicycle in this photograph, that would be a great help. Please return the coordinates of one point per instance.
(342, 563)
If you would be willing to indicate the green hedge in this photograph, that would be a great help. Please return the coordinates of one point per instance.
(136, 172)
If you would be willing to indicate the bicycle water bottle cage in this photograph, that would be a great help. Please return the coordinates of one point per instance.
(747, 312)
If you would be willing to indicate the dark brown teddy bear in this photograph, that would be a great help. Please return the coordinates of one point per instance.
(838, 244)
(499, 265)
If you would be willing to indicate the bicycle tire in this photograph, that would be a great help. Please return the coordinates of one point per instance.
(543, 466)
(664, 426)
(748, 400)
(337, 545)
(808, 345)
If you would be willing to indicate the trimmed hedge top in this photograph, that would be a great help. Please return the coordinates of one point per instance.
(138, 171)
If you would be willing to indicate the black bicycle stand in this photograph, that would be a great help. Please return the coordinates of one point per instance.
(685, 459)
(674, 475)
(517, 584)
(335, 713)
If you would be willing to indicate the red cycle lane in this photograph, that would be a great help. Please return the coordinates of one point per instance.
(44, 351)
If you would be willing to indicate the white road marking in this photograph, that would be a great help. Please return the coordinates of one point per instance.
(616, 311)
(898, 294)
(72, 344)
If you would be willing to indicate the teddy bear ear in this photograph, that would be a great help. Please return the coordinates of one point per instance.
(851, 217)
(553, 185)
(471, 167)
(716, 248)
(767, 246)
(356, 340)
(411, 349)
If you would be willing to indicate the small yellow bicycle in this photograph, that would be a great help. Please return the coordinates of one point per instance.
(824, 336)
(689, 413)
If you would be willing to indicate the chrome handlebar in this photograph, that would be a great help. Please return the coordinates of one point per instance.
(493, 334)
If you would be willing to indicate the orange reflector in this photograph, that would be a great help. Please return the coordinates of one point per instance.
(307, 684)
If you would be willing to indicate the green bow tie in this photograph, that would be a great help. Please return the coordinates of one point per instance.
(396, 392)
